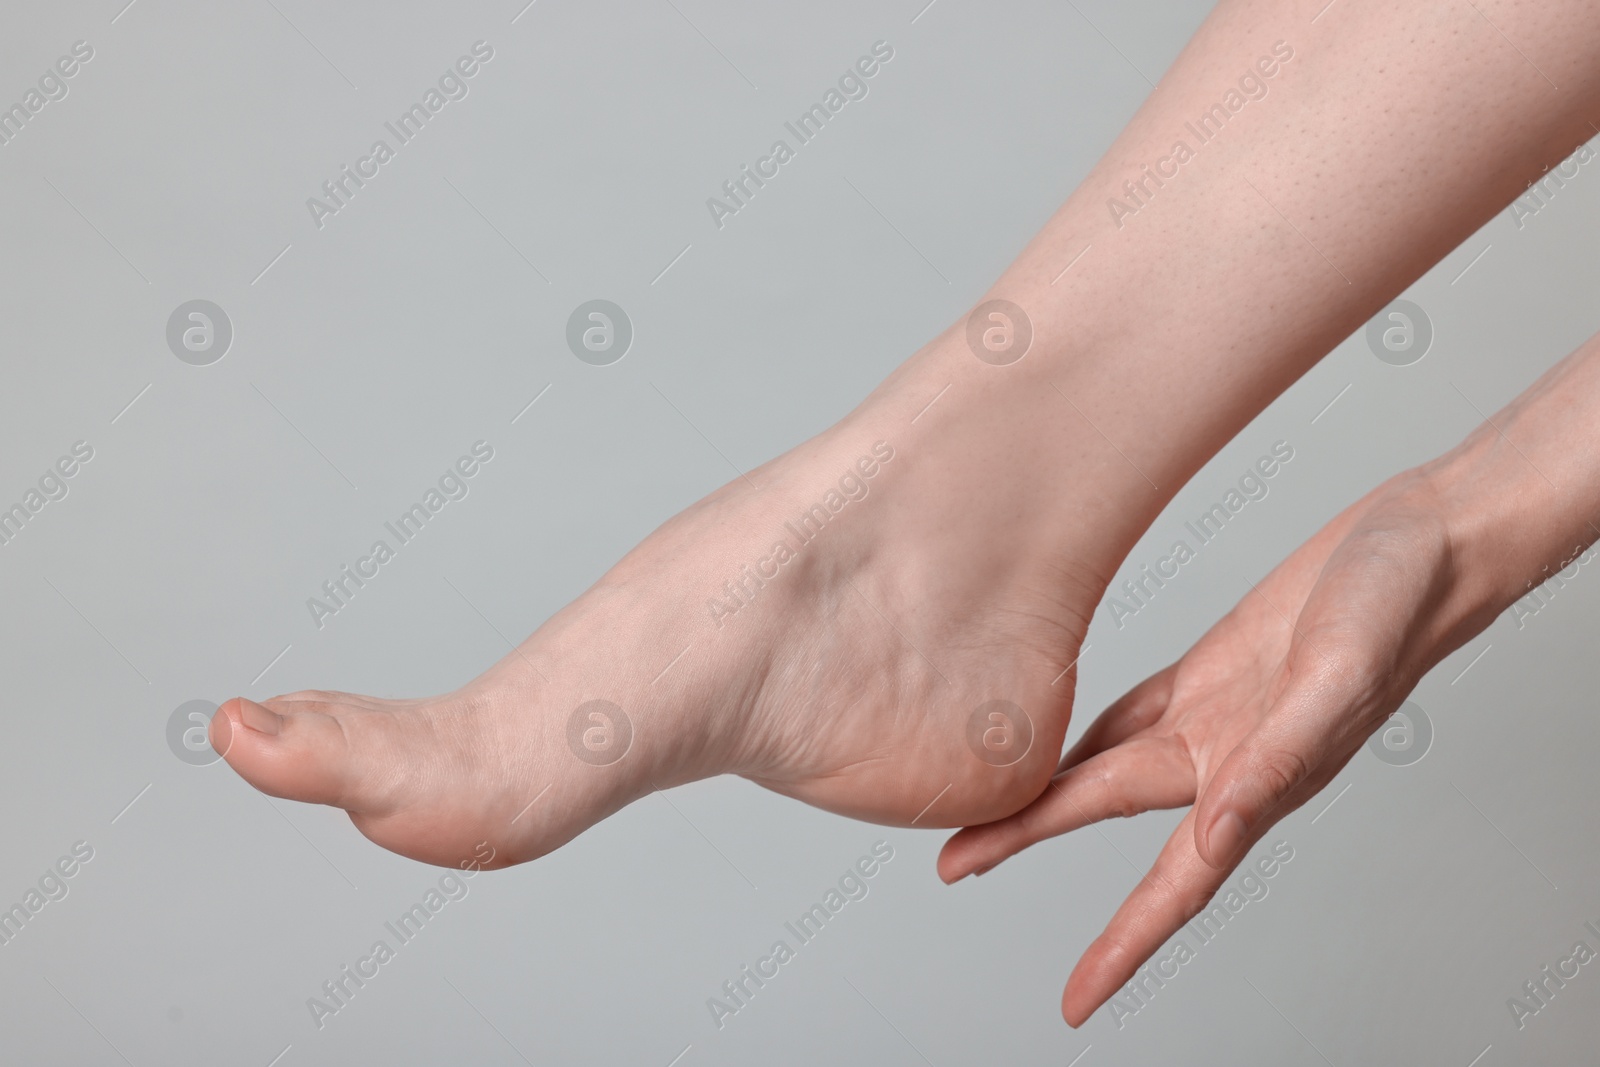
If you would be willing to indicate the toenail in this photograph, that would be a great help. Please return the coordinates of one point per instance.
(258, 718)
(221, 732)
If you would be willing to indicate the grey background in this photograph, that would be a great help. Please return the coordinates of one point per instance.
(376, 350)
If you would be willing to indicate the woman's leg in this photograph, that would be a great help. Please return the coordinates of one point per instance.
(904, 655)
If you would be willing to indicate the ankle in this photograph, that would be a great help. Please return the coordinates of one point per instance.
(1011, 458)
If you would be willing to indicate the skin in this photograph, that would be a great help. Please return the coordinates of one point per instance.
(970, 570)
(1276, 698)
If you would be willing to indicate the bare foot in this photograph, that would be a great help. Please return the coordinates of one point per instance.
(878, 623)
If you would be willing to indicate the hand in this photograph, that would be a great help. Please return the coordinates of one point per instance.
(1253, 721)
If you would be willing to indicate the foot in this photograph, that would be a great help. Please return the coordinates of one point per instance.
(878, 623)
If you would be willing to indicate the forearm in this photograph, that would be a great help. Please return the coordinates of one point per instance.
(1521, 494)
(1169, 321)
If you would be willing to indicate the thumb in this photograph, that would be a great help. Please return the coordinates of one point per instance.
(1346, 669)
(1290, 755)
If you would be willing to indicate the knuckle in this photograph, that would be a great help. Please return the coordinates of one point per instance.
(1102, 792)
(1280, 770)
(1111, 799)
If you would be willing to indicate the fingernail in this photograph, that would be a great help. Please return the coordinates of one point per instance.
(260, 719)
(1227, 834)
(981, 871)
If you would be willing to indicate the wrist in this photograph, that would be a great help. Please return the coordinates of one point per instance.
(1510, 528)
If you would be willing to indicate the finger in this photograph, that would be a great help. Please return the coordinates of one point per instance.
(1178, 886)
(1138, 776)
(1134, 711)
(1296, 749)
(1348, 665)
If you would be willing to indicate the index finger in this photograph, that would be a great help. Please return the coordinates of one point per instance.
(1177, 888)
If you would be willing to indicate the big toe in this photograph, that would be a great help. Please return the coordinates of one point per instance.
(301, 754)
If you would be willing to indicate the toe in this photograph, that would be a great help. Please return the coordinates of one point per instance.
(296, 753)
